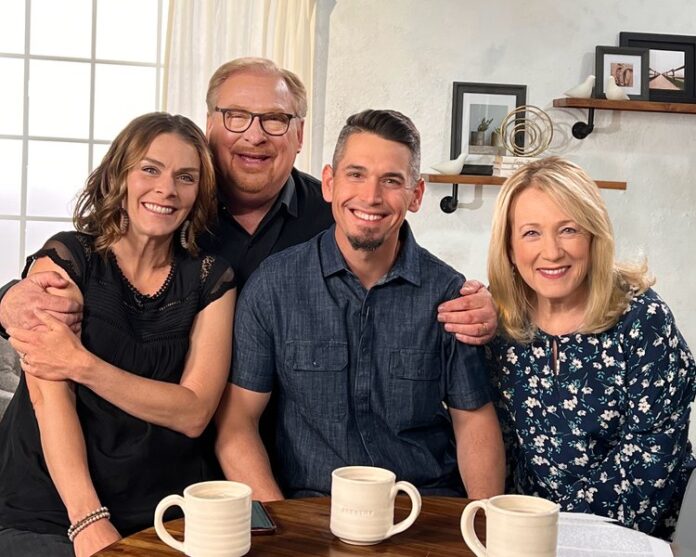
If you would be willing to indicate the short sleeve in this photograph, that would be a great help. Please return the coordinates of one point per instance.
(217, 277)
(71, 251)
(253, 357)
(468, 384)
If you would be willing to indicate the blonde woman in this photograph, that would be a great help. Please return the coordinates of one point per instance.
(103, 425)
(594, 378)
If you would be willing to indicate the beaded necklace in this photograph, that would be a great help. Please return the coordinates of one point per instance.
(138, 296)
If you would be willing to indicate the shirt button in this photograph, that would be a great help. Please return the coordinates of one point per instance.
(315, 363)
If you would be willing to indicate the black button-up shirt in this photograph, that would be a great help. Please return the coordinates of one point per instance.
(298, 214)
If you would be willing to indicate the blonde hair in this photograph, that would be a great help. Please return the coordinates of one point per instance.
(261, 65)
(98, 208)
(610, 284)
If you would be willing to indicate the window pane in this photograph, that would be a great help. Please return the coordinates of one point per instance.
(9, 254)
(10, 177)
(134, 19)
(121, 94)
(56, 173)
(59, 99)
(12, 26)
(98, 152)
(11, 95)
(40, 231)
(61, 28)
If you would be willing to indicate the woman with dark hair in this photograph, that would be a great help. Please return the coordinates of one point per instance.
(103, 425)
(595, 380)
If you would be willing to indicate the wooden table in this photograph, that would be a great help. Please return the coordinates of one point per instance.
(303, 529)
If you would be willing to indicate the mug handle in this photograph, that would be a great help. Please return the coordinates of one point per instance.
(162, 532)
(416, 502)
(467, 526)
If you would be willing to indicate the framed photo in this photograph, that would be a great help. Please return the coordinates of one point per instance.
(478, 109)
(628, 66)
(671, 63)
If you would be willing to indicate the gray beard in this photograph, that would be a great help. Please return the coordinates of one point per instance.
(365, 244)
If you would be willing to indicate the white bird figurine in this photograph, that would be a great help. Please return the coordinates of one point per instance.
(613, 92)
(582, 91)
(450, 167)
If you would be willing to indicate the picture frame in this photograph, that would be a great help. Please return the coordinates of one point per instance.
(671, 63)
(477, 103)
(628, 65)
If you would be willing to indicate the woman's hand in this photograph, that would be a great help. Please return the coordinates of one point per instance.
(54, 353)
(95, 537)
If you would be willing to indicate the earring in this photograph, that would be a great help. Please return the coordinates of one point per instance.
(183, 234)
(124, 222)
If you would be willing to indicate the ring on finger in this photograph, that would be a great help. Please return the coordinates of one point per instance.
(21, 357)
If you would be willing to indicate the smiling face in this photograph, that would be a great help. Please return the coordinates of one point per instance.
(162, 187)
(370, 192)
(550, 250)
(252, 164)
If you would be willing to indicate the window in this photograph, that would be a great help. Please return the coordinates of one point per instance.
(74, 73)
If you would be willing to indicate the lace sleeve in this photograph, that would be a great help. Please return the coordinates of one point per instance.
(69, 250)
(217, 277)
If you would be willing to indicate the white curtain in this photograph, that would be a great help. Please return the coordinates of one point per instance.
(203, 34)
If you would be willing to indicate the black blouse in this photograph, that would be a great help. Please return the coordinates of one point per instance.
(133, 463)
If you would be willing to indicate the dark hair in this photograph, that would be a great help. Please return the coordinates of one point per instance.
(98, 208)
(387, 124)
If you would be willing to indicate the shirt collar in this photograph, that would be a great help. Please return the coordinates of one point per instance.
(287, 198)
(406, 266)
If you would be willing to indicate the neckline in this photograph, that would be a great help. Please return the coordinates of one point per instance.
(139, 296)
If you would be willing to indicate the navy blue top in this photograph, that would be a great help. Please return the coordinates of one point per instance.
(607, 430)
(363, 377)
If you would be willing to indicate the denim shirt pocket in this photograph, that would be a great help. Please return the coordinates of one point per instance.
(317, 377)
(416, 392)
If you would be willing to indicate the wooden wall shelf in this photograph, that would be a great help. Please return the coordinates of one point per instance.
(476, 180)
(449, 203)
(582, 129)
(636, 106)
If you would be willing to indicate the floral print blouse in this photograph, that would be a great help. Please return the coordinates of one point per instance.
(602, 427)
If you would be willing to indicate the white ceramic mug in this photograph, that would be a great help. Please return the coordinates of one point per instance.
(516, 526)
(217, 519)
(362, 504)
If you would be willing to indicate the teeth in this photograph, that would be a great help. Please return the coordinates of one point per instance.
(366, 216)
(158, 209)
(553, 271)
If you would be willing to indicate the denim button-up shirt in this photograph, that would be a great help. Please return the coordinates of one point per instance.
(363, 377)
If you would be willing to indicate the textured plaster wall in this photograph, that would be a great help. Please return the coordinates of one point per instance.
(405, 54)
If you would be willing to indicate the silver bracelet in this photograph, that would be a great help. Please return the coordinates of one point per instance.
(91, 518)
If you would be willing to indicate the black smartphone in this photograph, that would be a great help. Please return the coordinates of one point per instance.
(261, 521)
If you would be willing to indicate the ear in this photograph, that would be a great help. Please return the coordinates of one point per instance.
(300, 133)
(208, 125)
(327, 183)
(417, 198)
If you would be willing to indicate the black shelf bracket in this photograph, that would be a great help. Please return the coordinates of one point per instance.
(581, 129)
(449, 203)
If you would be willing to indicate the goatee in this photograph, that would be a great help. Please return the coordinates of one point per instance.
(365, 244)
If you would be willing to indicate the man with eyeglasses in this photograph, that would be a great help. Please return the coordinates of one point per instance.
(255, 128)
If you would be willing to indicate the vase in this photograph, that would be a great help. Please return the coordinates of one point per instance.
(477, 138)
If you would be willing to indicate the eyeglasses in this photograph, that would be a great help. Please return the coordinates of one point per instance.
(238, 121)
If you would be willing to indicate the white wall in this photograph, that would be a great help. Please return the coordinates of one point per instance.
(405, 54)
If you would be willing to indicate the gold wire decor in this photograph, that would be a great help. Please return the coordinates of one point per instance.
(536, 126)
